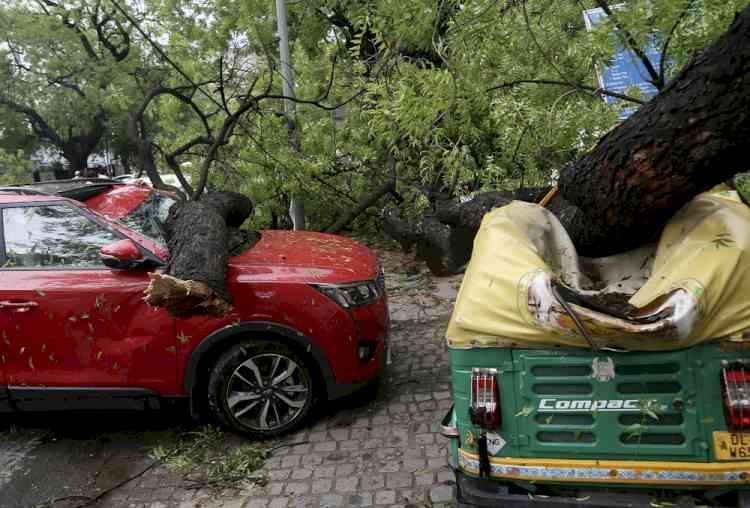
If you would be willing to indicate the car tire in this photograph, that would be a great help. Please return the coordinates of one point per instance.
(262, 388)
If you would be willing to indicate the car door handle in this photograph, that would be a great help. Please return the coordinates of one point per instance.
(20, 306)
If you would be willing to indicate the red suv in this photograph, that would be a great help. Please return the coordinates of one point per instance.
(310, 318)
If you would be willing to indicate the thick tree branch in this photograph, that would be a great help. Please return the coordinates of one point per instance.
(227, 129)
(43, 129)
(171, 159)
(222, 93)
(118, 51)
(184, 98)
(367, 200)
(690, 137)
(143, 144)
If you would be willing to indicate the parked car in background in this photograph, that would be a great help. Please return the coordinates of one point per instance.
(309, 322)
(169, 179)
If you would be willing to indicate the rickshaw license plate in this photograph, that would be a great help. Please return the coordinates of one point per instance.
(731, 445)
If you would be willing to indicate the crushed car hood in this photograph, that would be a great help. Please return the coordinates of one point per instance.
(318, 255)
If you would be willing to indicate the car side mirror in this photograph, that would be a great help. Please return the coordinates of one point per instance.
(122, 254)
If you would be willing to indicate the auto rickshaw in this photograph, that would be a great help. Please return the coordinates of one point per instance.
(617, 381)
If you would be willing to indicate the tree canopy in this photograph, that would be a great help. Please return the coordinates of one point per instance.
(64, 65)
(427, 95)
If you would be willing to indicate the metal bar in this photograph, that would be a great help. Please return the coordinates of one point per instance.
(579, 324)
(17, 305)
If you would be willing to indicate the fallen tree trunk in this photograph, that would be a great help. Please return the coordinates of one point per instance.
(200, 236)
(444, 238)
(445, 249)
(691, 137)
(469, 213)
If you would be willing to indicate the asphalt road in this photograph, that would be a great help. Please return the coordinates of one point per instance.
(65, 459)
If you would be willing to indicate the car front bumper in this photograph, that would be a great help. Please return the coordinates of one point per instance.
(371, 370)
(338, 390)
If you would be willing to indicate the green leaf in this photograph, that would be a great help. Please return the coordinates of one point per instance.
(635, 429)
(525, 411)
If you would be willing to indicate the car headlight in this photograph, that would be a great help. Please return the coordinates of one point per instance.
(350, 295)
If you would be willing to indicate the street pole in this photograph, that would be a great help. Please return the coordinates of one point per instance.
(286, 68)
(296, 208)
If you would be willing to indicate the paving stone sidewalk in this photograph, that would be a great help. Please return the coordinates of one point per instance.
(387, 452)
(375, 450)
(371, 451)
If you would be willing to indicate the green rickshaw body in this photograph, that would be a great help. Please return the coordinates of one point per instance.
(649, 393)
(664, 407)
(573, 418)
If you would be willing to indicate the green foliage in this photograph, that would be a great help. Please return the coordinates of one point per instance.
(441, 87)
(427, 99)
(742, 182)
(65, 70)
(14, 168)
(428, 103)
(203, 456)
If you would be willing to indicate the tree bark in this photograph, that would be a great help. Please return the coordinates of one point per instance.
(689, 138)
(201, 236)
(444, 238)
(76, 155)
(470, 213)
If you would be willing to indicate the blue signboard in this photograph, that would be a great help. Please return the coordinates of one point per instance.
(625, 70)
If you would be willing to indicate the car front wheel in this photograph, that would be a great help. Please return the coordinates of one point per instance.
(261, 388)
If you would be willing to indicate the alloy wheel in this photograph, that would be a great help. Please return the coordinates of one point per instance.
(267, 391)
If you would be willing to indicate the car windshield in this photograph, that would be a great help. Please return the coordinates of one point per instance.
(148, 217)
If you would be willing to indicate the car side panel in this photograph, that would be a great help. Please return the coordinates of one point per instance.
(88, 328)
(302, 308)
(5, 325)
(5, 405)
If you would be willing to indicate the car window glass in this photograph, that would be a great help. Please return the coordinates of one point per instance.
(52, 236)
(148, 217)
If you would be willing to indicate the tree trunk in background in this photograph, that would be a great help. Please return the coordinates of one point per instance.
(690, 137)
(77, 149)
(297, 213)
(77, 159)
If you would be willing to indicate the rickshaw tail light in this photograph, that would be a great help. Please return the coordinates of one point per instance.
(485, 399)
(735, 387)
